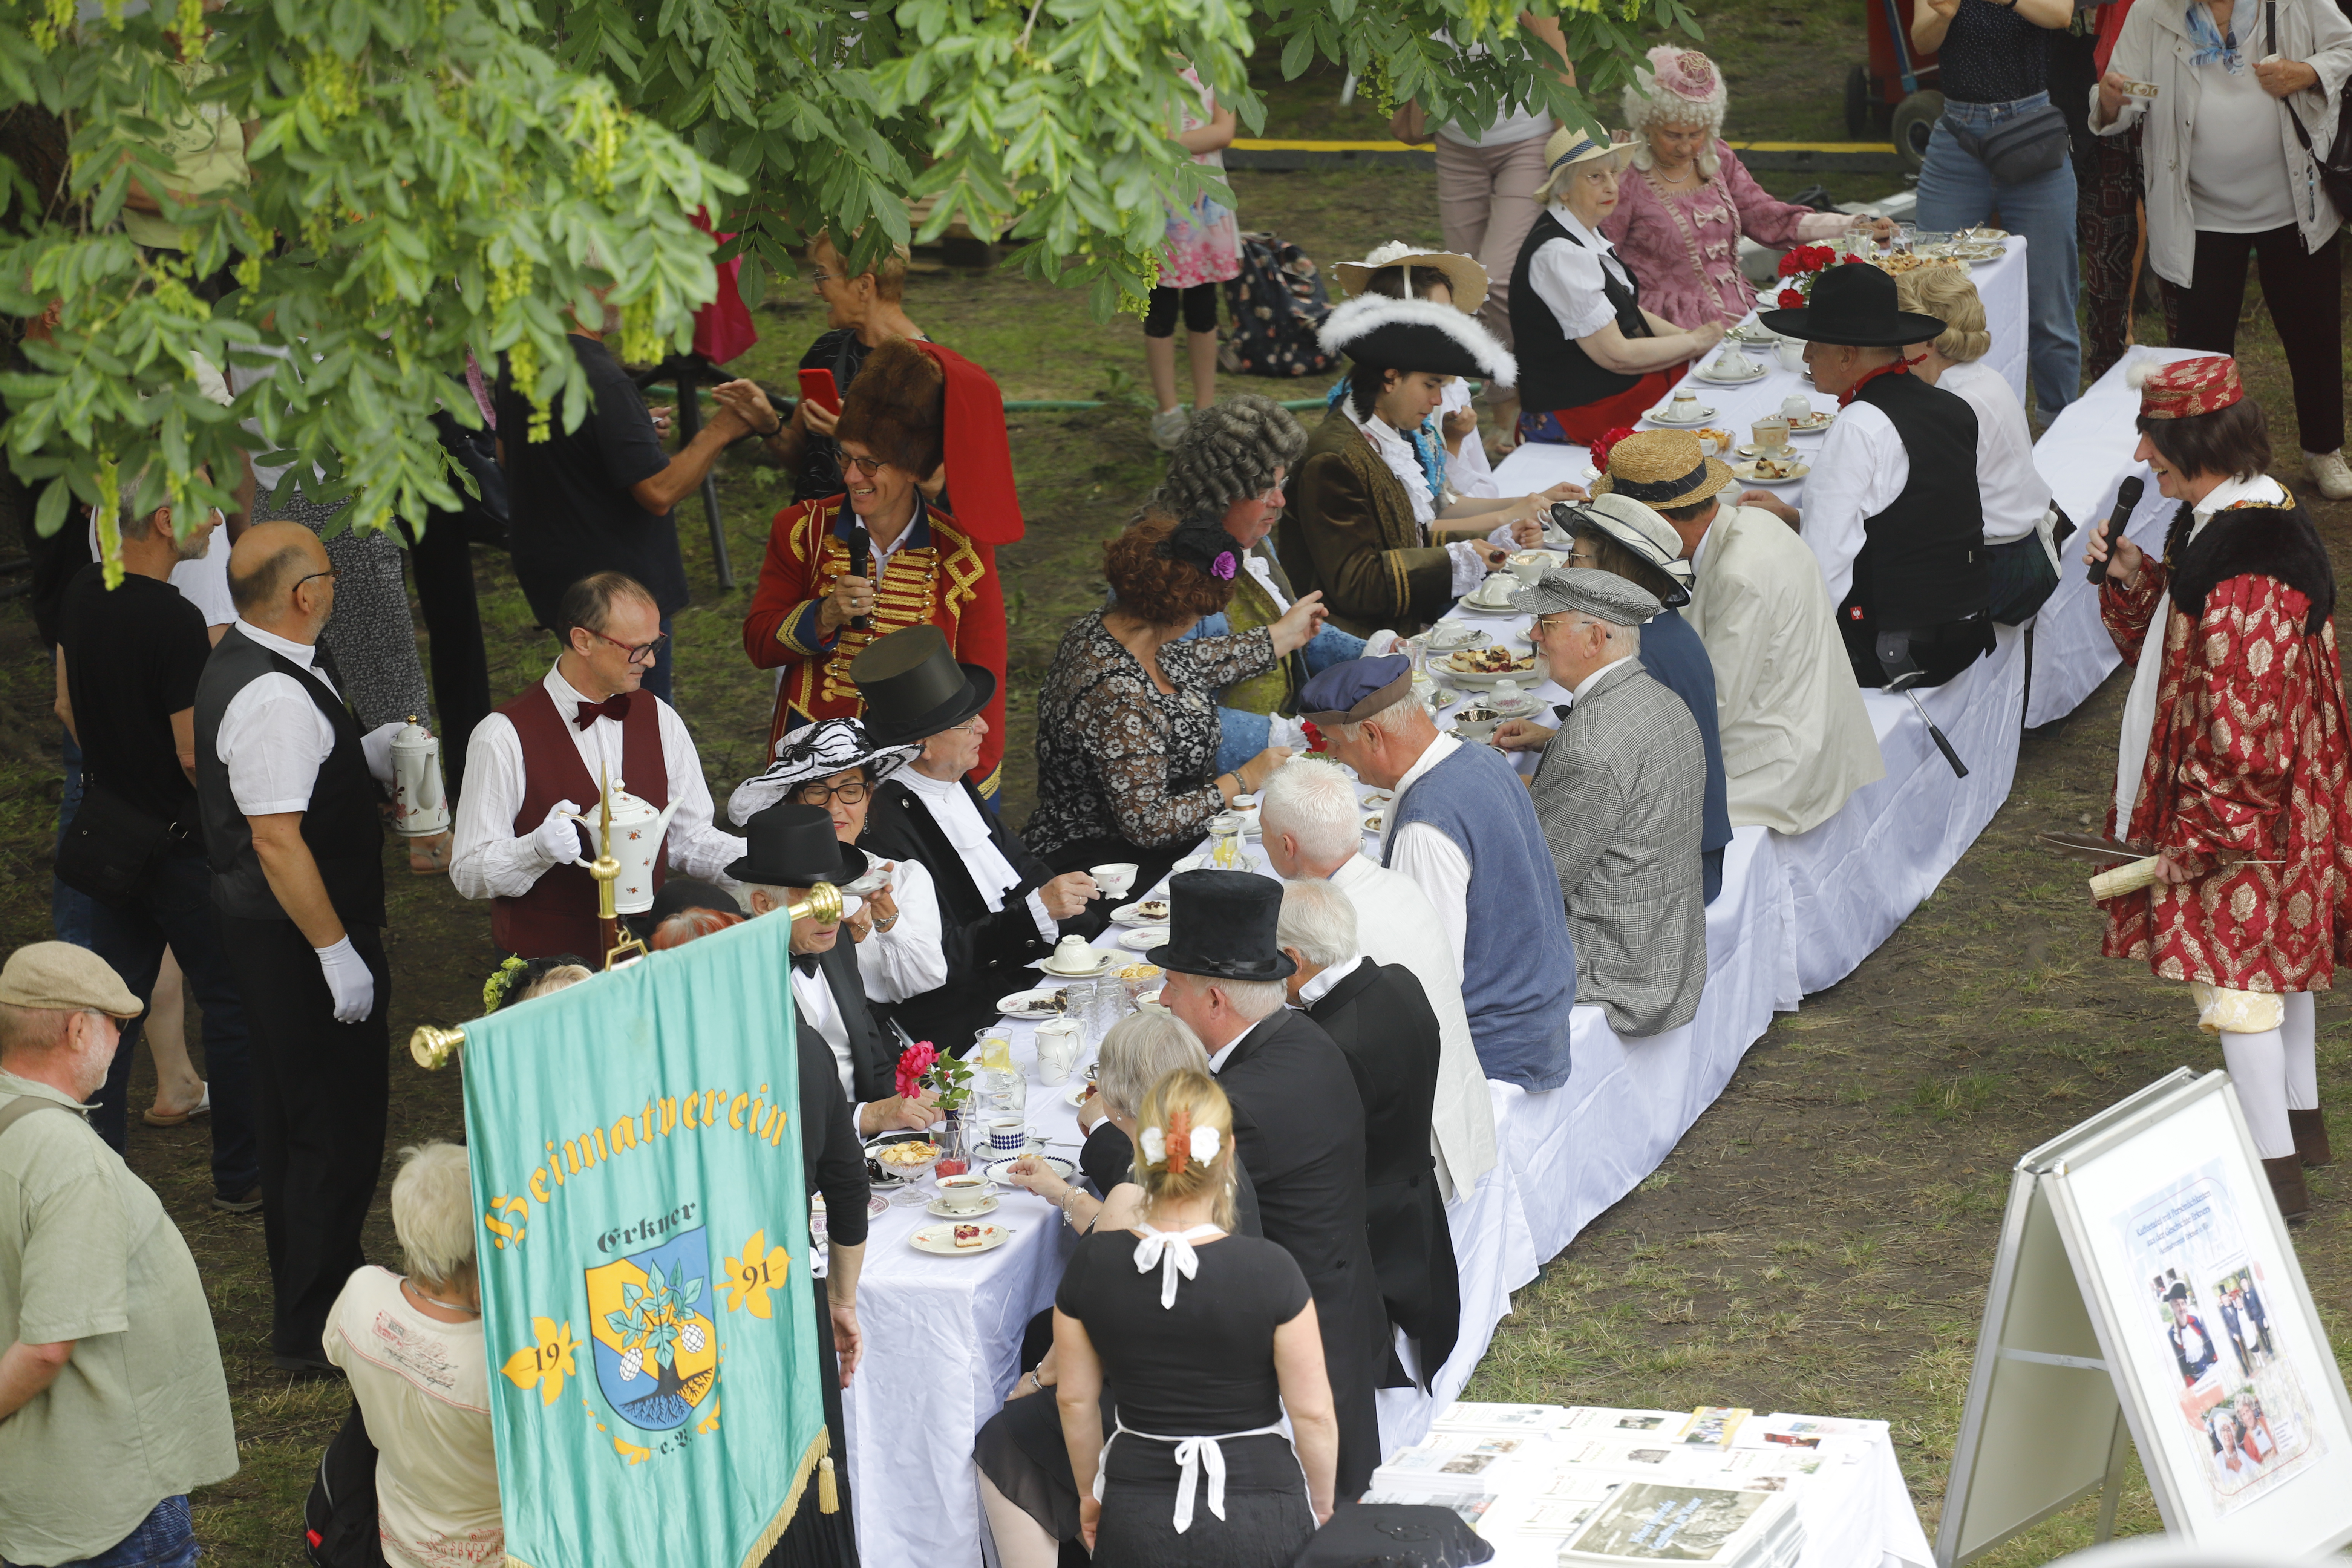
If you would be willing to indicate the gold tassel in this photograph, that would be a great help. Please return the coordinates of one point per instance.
(828, 1494)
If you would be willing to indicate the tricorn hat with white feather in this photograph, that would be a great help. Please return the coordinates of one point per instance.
(1415, 335)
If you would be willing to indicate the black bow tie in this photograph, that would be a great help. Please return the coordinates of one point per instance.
(806, 963)
(615, 708)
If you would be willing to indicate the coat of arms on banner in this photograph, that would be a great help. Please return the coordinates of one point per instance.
(656, 1354)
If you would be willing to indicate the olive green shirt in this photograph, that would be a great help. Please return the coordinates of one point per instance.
(140, 1412)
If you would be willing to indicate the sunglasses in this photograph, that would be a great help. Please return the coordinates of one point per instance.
(639, 653)
(869, 466)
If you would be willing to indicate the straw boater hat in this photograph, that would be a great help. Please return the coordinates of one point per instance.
(1662, 469)
(1464, 278)
(2188, 388)
(1569, 147)
(1415, 335)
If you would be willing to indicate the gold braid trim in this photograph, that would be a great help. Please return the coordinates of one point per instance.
(963, 568)
(819, 1447)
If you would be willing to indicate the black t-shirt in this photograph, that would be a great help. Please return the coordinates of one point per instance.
(569, 512)
(842, 351)
(1205, 1366)
(132, 658)
(1992, 54)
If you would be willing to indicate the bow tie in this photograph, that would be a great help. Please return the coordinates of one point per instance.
(615, 708)
(806, 963)
(1559, 710)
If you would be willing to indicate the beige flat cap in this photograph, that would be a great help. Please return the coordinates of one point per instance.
(59, 976)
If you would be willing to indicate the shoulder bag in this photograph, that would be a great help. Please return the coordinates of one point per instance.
(2335, 164)
(112, 847)
(2021, 147)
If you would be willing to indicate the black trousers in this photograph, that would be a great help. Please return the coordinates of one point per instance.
(321, 1091)
(444, 567)
(2305, 296)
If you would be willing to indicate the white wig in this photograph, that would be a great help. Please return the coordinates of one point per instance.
(1676, 87)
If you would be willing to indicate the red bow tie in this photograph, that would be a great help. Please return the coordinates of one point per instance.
(615, 708)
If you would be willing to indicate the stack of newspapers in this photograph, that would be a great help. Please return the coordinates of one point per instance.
(1590, 1488)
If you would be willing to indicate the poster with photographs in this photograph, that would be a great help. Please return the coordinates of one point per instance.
(2207, 1314)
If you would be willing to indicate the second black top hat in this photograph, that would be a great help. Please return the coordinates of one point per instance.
(1221, 923)
(914, 688)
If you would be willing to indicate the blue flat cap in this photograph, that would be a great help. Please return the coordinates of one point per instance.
(1352, 692)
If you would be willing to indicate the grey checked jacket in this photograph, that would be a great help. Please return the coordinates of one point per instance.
(1619, 794)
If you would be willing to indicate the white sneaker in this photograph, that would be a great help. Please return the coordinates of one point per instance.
(1168, 429)
(2328, 471)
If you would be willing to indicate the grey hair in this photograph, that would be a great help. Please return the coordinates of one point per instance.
(1250, 999)
(433, 1211)
(1229, 452)
(1393, 721)
(1140, 1051)
(1315, 803)
(1319, 921)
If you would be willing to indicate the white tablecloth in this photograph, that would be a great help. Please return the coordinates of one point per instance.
(2085, 457)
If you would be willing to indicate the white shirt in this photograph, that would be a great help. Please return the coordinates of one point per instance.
(1864, 466)
(813, 1001)
(2237, 160)
(1432, 861)
(1313, 991)
(1217, 1058)
(489, 861)
(1569, 280)
(907, 960)
(991, 872)
(2014, 493)
(2139, 704)
(1393, 920)
(1581, 687)
(1468, 472)
(273, 737)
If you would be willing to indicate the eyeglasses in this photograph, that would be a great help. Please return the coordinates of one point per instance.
(1582, 558)
(822, 276)
(639, 653)
(328, 575)
(869, 466)
(825, 795)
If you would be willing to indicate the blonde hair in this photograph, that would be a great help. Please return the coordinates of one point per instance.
(1946, 293)
(433, 1211)
(1179, 1105)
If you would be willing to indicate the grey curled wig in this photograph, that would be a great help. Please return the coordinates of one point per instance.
(1230, 451)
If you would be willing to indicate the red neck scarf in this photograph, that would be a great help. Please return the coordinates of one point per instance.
(1900, 367)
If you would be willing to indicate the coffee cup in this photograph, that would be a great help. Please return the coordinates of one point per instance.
(965, 1193)
(1007, 1137)
(1073, 956)
(1504, 696)
(1685, 404)
(1772, 435)
(1793, 408)
(1057, 1049)
(1115, 879)
(1529, 566)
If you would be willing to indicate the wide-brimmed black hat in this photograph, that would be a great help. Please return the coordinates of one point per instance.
(790, 846)
(1855, 305)
(1221, 924)
(914, 688)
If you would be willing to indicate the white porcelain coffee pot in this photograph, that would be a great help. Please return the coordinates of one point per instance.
(420, 804)
(637, 830)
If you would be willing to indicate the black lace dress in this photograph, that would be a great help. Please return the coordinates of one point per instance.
(1125, 771)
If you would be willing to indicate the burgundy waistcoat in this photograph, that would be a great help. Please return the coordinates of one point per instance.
(559, 913)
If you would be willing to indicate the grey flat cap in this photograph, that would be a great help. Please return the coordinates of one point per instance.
(1588, 590)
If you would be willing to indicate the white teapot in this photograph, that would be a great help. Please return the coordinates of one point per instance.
(421, 806)
(637, 830)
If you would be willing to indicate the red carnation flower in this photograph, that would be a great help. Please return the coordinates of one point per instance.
(1608, 438)
(913, 1063)
(1792, 300)
(1315, 740)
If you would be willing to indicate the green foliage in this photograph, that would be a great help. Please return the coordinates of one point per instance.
(431, 177)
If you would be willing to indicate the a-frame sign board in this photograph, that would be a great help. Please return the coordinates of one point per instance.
(2146, 1288)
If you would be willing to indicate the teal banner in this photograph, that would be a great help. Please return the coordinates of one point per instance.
(636, 1155)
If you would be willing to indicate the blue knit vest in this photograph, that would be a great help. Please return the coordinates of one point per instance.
(1518, 963)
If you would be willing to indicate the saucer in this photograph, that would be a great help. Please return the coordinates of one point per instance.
(1142, 912)
(940, 1207)
(1756, 372)
(1104, 959)
(1453, 636)
(1037, 1004)
(1526, 706)
(1000, 1171)
(1142, 939)
(1746, 472)
(1499, 605)
(1658, 416)
(940, 1239)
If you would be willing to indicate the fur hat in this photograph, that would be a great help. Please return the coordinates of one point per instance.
(896, 408)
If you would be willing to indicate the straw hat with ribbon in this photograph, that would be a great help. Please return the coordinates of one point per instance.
(1569, 147)
(1662, 469)
(1464, 278)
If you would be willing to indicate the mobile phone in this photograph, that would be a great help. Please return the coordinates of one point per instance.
(816, 385)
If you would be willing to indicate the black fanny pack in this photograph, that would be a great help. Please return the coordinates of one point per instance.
(2021, 147)
(112, 847)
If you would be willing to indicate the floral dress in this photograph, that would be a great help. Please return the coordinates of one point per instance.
(1204, 240)
(1684, 246)
(1119, 759)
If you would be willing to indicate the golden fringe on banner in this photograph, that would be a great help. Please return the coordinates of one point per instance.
(818, 1447)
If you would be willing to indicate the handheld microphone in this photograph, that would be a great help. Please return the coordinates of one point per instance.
(2126, 503)
(861, 546)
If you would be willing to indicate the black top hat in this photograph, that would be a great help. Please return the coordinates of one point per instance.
(914, 688)
(790, 846)
(1855, 305)
(1221, 924)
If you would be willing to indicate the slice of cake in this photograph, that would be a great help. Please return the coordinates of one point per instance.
(967, 1236)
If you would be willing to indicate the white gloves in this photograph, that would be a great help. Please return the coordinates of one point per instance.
(1380, 645)
(348, 980)
(557, 839)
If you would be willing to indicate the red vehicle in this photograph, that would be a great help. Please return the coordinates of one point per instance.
(1895, 94)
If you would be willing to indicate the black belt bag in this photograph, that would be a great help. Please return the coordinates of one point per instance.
(112, 847)
(2023, 147)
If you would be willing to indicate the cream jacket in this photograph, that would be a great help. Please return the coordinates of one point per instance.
(2153, 47)
(1795, 738)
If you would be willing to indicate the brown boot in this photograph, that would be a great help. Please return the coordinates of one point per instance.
(2286, 1185)
(2310, 1128)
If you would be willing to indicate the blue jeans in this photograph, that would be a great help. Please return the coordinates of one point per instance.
(1956, 190)
(1242, 734)
(164, 1538)
(177, 912)
(69, 908)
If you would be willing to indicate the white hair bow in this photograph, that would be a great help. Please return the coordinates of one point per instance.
(1171, 1253)
(1204, 1144)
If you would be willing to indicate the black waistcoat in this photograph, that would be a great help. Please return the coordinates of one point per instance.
(1554, 370)
(343, 824)
(1922, 564)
